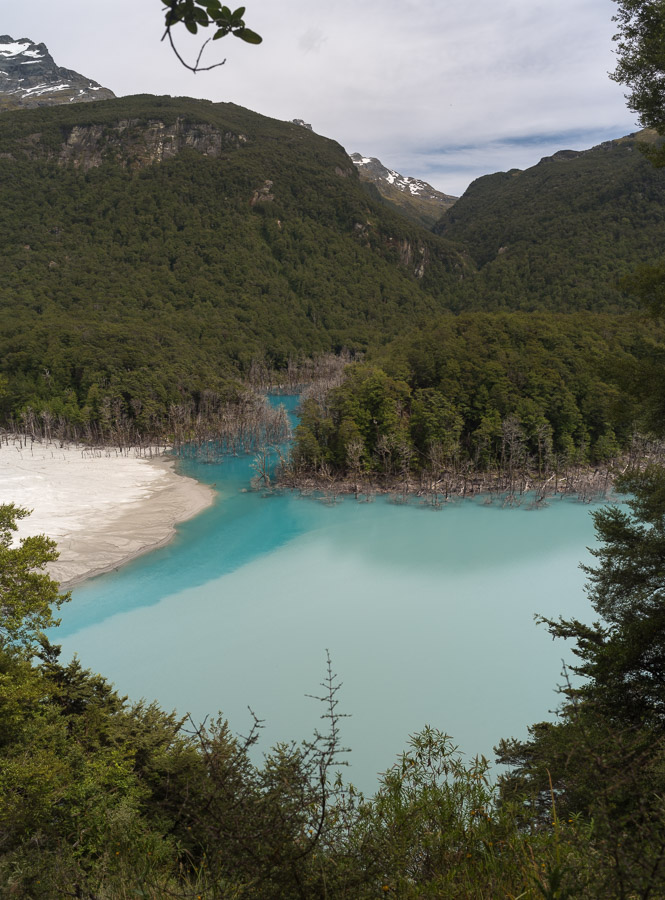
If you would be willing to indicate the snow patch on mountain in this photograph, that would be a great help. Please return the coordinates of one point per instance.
(415, 198)
(30, 77)
(16, 48)
(373, 170)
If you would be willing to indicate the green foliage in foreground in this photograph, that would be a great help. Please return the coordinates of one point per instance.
(195, 14)
(489, 390)
(606, 752)
(641, 58)
(100, 798)
(27, 594)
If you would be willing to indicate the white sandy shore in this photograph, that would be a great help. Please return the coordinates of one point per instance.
(102, 508)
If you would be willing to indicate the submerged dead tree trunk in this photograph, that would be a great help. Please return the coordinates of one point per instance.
(237, 428)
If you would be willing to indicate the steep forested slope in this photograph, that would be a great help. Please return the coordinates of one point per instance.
(541, 363)
(560, 235)
(151, 247)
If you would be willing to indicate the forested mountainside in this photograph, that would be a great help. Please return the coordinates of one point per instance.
(538, 369)
(152, 247)
(560, 235)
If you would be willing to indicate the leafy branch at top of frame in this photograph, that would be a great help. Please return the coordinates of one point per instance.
(195, 14)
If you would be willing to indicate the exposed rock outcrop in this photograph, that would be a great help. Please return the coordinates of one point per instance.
(136, 143)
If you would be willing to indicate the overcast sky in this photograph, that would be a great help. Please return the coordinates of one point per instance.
(444, 90)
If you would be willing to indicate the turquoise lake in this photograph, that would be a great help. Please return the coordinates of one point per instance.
(427, 614)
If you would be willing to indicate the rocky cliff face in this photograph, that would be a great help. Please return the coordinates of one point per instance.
(30, 77)
(136, 143)
(415, 198)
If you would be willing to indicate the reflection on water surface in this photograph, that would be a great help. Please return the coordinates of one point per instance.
(428, 615)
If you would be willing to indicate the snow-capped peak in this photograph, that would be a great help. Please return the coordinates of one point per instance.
(373, 170)
(391, 185)
(23, 47)
(30, 77)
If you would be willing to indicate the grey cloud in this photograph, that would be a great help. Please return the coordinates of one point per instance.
(388, 78)
(311, 40)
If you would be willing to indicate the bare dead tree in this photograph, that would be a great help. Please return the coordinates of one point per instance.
(262, 465)
(354, 459)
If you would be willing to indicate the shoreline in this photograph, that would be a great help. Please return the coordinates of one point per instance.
(586, 483)
(101, 506)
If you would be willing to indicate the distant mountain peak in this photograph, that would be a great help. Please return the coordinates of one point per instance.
(416, 198)
(29, 76)
(373, 169)
(23, 47)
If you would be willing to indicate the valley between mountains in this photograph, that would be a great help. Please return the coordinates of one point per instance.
(211, 315)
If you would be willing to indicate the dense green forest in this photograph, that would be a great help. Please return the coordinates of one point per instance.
(538, 389)
(488, 392)
(144, 283)
(561, 235)
(154, 248)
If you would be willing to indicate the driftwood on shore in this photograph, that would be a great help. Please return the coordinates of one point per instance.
(585, 483)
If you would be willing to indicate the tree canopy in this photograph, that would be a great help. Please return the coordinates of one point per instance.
(27, 594)
(641, 52)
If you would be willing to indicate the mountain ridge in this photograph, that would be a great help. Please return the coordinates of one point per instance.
(561, 234)
(152, 248)
(30, 77)
(413, 197)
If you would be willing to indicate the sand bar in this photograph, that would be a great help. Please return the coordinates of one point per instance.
(101, 506)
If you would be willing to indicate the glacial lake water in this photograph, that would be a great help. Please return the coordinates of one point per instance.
(428, 616)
